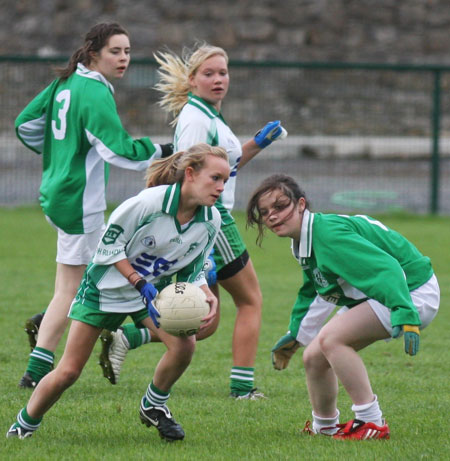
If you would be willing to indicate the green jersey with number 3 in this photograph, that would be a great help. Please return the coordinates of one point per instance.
(75, 125)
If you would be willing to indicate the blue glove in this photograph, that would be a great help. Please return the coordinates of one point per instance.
(268, 134)
(411, 335)
(210, 269)
(149, 292)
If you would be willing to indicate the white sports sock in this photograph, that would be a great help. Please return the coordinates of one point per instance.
(369, 412)
(320, 423)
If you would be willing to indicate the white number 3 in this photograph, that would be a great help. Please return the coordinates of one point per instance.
(64, 97)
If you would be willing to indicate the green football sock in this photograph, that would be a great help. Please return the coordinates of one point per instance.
(156, 397)
(136, 336)
(25, 421)
(241, 380)
(40, 363)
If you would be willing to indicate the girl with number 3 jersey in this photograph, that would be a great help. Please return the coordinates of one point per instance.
(165, 231)
(387, 286)
(74, 125)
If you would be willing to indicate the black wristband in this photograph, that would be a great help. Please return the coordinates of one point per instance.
(140, 284)
(166, 150)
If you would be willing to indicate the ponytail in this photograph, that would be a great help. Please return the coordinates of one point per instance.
(170, 170)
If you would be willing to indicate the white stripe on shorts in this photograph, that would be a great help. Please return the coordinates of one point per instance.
(225, 248)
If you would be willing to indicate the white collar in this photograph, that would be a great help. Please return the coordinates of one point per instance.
(85, 72)
(305, 244)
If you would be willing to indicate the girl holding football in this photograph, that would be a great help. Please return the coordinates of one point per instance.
(387, 286)
(194, 87)
(139, 254)
(74, 124)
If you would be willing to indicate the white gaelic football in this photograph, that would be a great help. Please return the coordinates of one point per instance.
(182, 306)
(283, 134)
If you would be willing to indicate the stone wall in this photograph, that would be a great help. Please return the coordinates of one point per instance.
(330, 114)
(310, 102)
(413, 31)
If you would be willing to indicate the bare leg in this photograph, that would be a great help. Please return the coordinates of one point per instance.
(321, 381)
(80, 342)
(341, 338)
(246, 293)
(175, 360)
(55, 320)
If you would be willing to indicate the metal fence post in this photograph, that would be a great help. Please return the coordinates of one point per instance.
(435, 128)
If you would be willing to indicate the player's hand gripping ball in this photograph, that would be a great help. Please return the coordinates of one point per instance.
(182, 306)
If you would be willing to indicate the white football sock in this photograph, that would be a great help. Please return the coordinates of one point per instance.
(369, 412)
(321, 423)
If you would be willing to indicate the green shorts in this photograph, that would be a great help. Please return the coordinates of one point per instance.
(107, 320)
(230, 253)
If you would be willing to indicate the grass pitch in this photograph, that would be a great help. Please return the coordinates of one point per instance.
(95, 420)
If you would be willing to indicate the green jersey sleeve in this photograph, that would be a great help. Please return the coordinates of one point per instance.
(105, 131)
(30, 123)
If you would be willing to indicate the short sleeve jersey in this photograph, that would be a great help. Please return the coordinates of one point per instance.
(144, 229)
(349, 259)
(74, 124)
(198, 122)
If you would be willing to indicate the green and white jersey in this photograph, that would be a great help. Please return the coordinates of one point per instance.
(198, 122)
(349, 259)
(75, 125)
(144, 229)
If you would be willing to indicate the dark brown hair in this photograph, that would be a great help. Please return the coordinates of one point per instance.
(282, 182)
(94, 41)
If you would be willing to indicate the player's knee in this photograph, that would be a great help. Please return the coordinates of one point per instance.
(67, 375)
(257, 298)
(184, 350)
(310, 358)
(327, 342)
(251, 303)
(207, 332)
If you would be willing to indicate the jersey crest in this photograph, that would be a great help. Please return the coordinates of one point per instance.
(319, 278)
(149, 242)
(111, 234)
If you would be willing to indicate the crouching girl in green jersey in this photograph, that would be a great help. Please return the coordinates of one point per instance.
(387, 288)
(167, 230)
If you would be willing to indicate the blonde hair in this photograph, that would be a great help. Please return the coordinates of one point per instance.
(170, 170)
(174, 73)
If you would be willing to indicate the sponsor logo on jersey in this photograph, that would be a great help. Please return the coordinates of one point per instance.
(152, 265)
(111, 234)
(319, 278)
(333, 298)
(176, 240)
(192, 247)
(149, 242)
